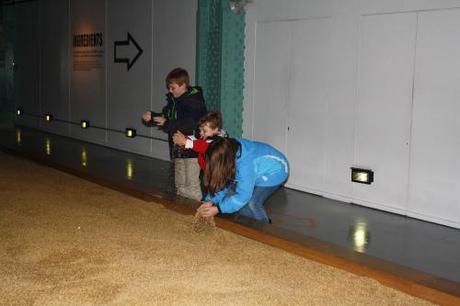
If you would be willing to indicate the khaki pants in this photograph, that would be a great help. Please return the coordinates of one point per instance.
(187, 178)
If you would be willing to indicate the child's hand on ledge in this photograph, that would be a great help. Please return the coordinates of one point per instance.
(179, 139)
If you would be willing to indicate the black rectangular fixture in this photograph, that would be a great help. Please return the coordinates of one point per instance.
(362, 176)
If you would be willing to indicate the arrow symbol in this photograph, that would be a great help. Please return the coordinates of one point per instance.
(126, 43)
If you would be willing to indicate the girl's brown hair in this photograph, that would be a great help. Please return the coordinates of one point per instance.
(220, 168)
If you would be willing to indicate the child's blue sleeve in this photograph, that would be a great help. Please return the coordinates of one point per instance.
(245, 183)
(217, 197)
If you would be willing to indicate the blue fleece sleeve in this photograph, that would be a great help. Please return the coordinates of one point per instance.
(245, 182)
(217, 197)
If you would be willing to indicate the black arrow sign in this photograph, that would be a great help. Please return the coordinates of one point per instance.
(126, 43)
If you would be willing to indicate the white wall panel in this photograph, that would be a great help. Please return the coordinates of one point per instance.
(339, 135)
(435, 163)
(309, 93)
(271, 82)
(383, 114)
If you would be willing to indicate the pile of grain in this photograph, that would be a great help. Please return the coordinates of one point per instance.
(201, 224)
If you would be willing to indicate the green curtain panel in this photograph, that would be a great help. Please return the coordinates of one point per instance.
(220, 60)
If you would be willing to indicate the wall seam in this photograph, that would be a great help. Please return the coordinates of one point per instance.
(357, 96)
(106, 77)
(152, 68)
(70, 67)
(409, 141)
(40, 54)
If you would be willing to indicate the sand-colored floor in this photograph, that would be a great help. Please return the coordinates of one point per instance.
(66, 241)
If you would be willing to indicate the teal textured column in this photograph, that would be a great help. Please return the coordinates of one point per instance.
(208, 51)
(220, 60)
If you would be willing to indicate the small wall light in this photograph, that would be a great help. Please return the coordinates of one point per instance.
(19, 112)
(84, 124)
(131, 133)
(363, 176)
(48, 117)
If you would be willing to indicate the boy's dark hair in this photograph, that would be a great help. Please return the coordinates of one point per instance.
(178, 76)
(214, 119)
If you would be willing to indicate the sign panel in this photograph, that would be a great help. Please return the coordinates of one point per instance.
(88, 68)
(88, 51)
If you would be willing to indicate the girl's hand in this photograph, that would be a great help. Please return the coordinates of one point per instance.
(207, 209)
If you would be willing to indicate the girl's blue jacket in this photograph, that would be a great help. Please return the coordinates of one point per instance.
(257, 165)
